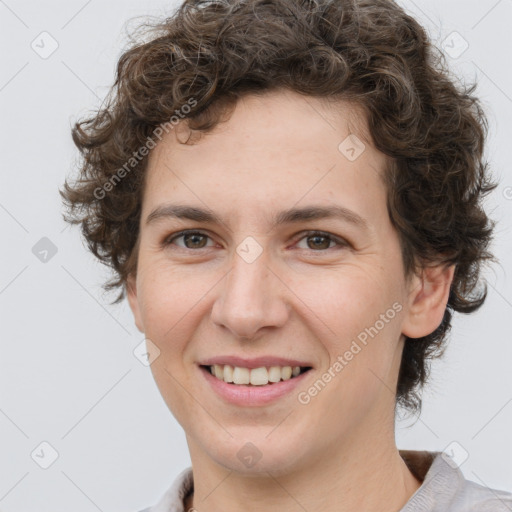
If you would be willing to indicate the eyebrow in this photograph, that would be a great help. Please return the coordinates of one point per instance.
(291, 216)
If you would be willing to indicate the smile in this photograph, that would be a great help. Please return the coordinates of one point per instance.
(256, 376)
(253, 387)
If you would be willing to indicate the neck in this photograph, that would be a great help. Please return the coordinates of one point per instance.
(370, 478)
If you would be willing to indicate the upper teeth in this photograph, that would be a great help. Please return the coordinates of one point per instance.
(256, 376)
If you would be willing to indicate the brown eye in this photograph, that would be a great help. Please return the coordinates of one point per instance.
(319, 242)
(196, 240)
(191, 240)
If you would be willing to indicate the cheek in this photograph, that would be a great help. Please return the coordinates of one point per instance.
(357, 319)
(347, 300)
(170, 298)
(171, 307)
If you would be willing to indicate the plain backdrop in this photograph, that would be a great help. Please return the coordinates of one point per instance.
(68, 376)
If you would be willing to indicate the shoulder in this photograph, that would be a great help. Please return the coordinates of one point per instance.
(172, 499)
(445, 488)
(473, 497)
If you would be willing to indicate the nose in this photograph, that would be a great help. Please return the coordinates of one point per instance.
(252, 297)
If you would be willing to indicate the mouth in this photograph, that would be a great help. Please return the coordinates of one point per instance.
(253, 377)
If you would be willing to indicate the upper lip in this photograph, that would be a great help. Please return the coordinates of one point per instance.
(256, 362)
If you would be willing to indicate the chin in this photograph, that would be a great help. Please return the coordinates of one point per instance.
(258, 457)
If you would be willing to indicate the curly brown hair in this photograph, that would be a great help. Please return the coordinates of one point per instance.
(210, 53)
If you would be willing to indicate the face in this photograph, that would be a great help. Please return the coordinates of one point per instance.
(326, 292)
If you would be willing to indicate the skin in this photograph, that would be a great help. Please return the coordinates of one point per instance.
(303, 297)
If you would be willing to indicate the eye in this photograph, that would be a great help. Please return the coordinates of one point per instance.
(322, 241)
(191, 239)
(198, 240)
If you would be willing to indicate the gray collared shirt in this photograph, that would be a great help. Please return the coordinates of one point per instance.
(443, 488)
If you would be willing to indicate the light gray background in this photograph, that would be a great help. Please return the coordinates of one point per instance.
(68, 375)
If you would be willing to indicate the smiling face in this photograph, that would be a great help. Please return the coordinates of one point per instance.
(256, 282)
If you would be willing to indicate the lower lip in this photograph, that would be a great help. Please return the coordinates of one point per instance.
(246, 395)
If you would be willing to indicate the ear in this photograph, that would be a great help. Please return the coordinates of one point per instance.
(131, 293)
(428, 296)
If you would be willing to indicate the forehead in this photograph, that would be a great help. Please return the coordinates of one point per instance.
(278, 149)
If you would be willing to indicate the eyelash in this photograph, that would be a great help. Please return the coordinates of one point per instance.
(307, 234)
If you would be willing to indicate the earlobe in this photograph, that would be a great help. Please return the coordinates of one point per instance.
(427, 301)
(131, 294)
